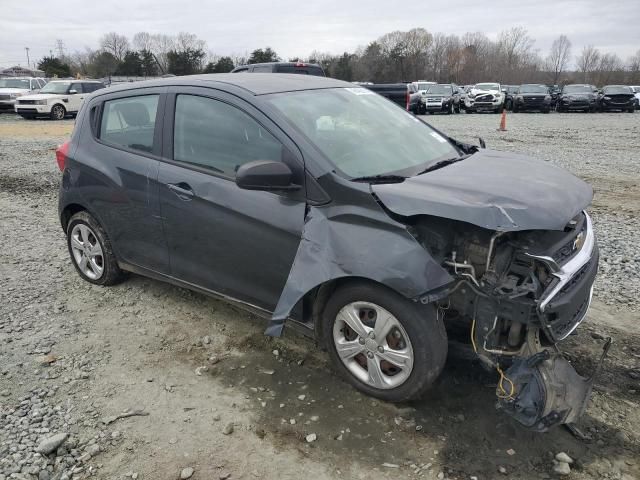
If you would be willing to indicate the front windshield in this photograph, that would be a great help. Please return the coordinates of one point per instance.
(424, 86)
(56, 87)
(14, 83)
(533, 89)
(487, 86)
(440, 89)
(577, 89)
(615, 89)
(361, 133)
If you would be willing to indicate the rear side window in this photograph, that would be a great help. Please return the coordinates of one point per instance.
(130, 122)
(217, 136)
(300, 70)
(262, 69)
(77, 87)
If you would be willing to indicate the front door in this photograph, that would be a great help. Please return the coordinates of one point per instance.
(236, 242)
(75, 100)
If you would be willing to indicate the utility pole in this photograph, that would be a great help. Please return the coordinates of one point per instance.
(28, 63)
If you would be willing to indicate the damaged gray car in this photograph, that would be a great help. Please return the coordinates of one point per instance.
(324, 206)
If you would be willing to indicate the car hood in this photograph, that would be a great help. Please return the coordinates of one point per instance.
(13, 90)
(480, 92)
(494, 190)
(42, 96)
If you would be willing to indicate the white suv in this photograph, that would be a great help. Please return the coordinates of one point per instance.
(487, 97)
(57, 99)
(14, 87)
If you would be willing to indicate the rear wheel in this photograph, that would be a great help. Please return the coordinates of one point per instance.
(57, 112)
(383, 344)
(91, 252)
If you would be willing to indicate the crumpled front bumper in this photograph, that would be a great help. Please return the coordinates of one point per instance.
(564, 304)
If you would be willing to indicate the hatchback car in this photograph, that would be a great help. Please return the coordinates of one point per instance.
(321, 204)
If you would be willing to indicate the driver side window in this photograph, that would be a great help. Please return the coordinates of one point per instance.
(215, 135)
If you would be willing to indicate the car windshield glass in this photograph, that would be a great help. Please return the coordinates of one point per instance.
(14, 83)
(617, 89)
(440, 89)
(578, 89)
(361, 133)
(424, 86)
(533, 89)
(487, 86)
(56, 87)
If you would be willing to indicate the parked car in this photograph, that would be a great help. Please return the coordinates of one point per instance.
(442, 97)
(422, 86)
(57, 99)
(282, 67)
(581, 97)
(532, 97)
(617, 97)
(484, 97)
(14, 87)
(318, 204)
(404, 94)
(636, 91)
(509, 93)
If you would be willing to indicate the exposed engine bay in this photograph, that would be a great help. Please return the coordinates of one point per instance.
(516, 295)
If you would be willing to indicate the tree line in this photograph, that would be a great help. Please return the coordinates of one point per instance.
(394, 57)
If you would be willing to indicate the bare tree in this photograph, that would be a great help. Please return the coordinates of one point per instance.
(116, 45)
(587, 62)
(609, 69)
(142, 41)
(634, 68)
(558, 59)
(161, 45)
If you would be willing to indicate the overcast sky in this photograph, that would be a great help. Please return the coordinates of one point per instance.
(297, 27)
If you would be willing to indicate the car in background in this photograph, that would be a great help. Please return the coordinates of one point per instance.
(441, 97)
(12, 88)
(300, 68)
(578, 97)
(405, 95)
(484, 97)
(56, 99)
(509, 91)
(532, 97)
(636, 92)
(617, 97)
(422, 86)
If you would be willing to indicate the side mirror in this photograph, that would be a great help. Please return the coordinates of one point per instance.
(265, 175)
(72, 92)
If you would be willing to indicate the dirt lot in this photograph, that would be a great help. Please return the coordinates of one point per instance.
(213, 394)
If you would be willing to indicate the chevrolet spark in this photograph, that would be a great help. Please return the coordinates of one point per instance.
(323, 206)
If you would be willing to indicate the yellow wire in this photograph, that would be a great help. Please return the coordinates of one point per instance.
(473, 335)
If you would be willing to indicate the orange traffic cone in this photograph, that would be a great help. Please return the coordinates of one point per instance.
(503, 121)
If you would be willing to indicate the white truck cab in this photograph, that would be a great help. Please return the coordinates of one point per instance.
(57, 99)
(12, 88)
(487, 97)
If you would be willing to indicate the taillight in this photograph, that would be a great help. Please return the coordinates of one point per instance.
(61, 154)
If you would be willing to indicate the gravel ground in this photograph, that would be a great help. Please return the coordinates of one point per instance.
(145, 380)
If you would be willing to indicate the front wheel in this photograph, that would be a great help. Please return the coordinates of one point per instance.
(383, 344)
(57, 112)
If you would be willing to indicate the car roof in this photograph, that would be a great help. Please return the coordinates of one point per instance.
(256, 83)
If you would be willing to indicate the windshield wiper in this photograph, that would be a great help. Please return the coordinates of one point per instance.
(380, 179)
(443, 163)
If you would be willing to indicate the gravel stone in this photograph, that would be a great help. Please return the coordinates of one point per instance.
(186, 473)
(51, 444)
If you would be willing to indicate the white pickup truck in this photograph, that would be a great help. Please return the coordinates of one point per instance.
(13, 87)
(484, 97)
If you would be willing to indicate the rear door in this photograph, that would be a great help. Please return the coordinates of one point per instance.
(75, 100)
(235, 242)
(119, 153)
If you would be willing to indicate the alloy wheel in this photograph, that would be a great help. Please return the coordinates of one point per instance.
(373, 345)
(87, 251)
(58, 112)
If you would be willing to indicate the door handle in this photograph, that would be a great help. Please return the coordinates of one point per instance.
(182, 190)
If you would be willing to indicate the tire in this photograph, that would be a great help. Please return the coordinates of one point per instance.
(57, 112)
(450, 109)
(631, 110)
(457, 109)
(516, 109)
(497, 110)
(546, 110)
(413, 327)
(508, 105)
(468, 110)
(87, 240)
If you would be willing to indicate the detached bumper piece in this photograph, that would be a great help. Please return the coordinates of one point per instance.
(547, 391)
